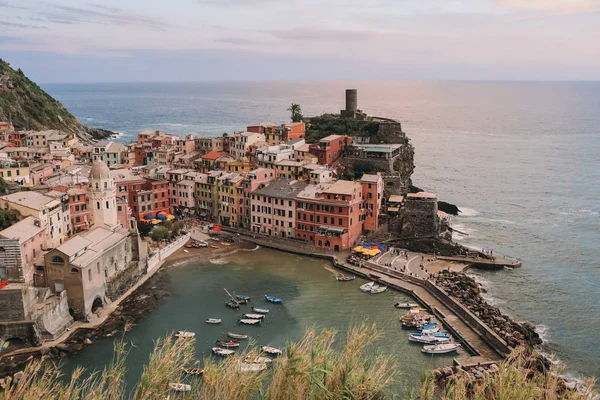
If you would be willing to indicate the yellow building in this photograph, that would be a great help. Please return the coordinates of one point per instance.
(228, 198)
(207, 195)
(239, 166)
(20, 175)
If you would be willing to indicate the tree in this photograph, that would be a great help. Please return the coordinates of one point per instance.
(8, 218)
(160, 233)
(296, 112)
(144, 228)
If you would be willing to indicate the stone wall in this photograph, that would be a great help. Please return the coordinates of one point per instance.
(420, 219)
(118, 284)
(24, 330)
(54, 318)
(11, 305)
(10, 258)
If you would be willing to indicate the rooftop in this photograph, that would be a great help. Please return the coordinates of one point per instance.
(213, 155)
(114, 147)
(89, 245)
(370, 178)
(337, 187)
(264, 124)
(330, 138)
(282, 188)
(34, 200)
(421, 195)
(378, 148)
(396, 198)
(125, 175)
(22, 230)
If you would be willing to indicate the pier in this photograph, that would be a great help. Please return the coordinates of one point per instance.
(483, 263)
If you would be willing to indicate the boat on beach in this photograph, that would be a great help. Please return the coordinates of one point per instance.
(273, 299)
(271, 350)
(228, 343)
(367, 287)
(428, 339)
(180, 387)
(260, 310)
(185, 334)
(406, 305)
(237, 335)
(246, 321)
(218, 351)
(440, 348)
(213, 321)
(378, 289)
(254, 316)
(345, 278)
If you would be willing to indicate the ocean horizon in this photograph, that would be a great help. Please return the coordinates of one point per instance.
(519, 158)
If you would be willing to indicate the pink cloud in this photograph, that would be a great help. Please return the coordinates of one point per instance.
(552, 6)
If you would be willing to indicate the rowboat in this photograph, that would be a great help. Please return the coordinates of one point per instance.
(180, 387)
(222, 352)
(273, 299)
(345, 278)
(193, 371)
(246, 367)
(254, 316)
(237, 335)
(367, 287)
(378, 289)
(241, 301)
(213, 321)
(430, 330)
(240, 297)
(428, 339)
(406, 305)
(249, 321)
(233, 304)
(258, 360)
(417, 310)
(260, 310)
(228, 343)
(440, 348)
(185, 335)
(271, 350)
(427, 326)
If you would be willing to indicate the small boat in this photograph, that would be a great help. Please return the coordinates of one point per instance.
(228, 343)
(254, 316)
(427, 326)
(189, 245)
(273, 299)
(213, 246)
(180, 387)
(200, 243)
(252, 367)
(367, 287)
(345, 278)
(378, 289)
(271, 350)
(260, 310)
(406, 305)
(233, 304)
(417, 310)
(249, 321)
(222, 352)
(258, 360)
(440, 348)
(237, 335)
(428, 339)
(213, 320)
(240, 297)
(185, 334)
(225, 244)
(242, 301)
(193, 371)
(430, 330)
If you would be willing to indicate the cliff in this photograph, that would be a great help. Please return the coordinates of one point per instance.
(28, 107)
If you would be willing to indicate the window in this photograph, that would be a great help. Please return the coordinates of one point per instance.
(74, 271)
(340, 221)
(98, 205)
(57, 260)
(90, 274)
(107, 205)
(78, 219)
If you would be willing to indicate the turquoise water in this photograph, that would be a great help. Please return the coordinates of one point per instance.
(521, 158)
(312, 298)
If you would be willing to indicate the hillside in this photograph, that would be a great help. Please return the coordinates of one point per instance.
(24, 103)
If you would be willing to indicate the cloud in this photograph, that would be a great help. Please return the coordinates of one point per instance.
(322, 34)
(7, 5)
(17, 40)
(98, 13)
(22, 26)
(235, 3)
(235, 40)
(553, 6)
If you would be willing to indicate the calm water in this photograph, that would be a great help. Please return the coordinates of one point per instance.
(521, 159)
(312, 297)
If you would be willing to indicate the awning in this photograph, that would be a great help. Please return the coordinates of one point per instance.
(393, 209)
(149, 216)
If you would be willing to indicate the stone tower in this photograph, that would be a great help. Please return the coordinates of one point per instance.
(352, 110)
(103, 195)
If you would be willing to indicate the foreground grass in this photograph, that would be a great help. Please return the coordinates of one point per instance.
(312, 368)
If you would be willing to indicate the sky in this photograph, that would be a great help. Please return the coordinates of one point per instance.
(212, 40)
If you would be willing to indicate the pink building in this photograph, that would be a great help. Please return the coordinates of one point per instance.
(372, 186)
(39, 173)
(185, 194)
(253, 180)
(274, 208)
(20, 245)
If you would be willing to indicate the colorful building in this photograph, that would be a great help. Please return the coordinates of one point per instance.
(330, 148)
(372, 187)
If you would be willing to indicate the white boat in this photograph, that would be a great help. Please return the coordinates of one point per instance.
(260, 310)
(406, 305)
(180, 387)
(430, 330)
(213, 321)
(367, 286)
(185, 334)
(222, 352)
(254, 316)
(246, 367)
(258, 360)
(428, 339)
(440, 348)
(249, 321)
(378, 289)
(271, 350)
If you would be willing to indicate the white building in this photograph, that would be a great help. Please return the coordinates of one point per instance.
(103, 195)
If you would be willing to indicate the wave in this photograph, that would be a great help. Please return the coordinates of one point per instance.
(217, 261)
(543, 331)
(468, 212)
(503, 221)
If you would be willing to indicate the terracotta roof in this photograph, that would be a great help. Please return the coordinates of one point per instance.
(213, 155)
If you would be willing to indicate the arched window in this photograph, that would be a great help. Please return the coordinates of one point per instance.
(320, 243)
(74, 270)
(39, 268)
(57, 260)
(105, 185)
(98, 205)
(97, 186)
(107, 207)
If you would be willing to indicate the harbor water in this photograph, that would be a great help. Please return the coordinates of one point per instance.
(311, 298)
(521, 160)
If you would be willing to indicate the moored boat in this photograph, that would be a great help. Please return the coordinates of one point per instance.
(427, 326)
(271, 350)
(273, 299)
(228, 343)
(222, 352)
(193, 371)
(345, 278)
(430, 330)
(180, 387)
(378, 289)
(440, 348)
(241, 297)
(185, 334)
(246, 321)
(233, 304)
(252, 367)
(213, 320)
(367, 287)
(242, 301)
(258, 360)
(237, 335)
(406, 305)
(428, 339)
(254, 316)
(260, 310)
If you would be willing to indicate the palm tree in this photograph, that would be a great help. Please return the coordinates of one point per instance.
(296, 112)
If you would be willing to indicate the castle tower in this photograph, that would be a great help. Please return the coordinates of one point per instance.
(103, 195)
(352, 110)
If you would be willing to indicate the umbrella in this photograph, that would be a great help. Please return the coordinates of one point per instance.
(156, 221)
(170, 217)
(149, 216)
(162, 217)
(162, 213)
(359, 249)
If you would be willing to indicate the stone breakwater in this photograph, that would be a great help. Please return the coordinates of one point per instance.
(468, 292)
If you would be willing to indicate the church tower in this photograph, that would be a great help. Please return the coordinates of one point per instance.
(103, 195)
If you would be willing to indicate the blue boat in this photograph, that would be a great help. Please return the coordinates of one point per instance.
(345, 278)
(273, 299)
(240, 297)
(427, 326)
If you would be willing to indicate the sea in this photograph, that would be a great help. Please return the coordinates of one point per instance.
(520, 159)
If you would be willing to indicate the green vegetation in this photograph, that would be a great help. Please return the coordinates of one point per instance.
(295, 112)
(144, 228)
(3, 186)
(167, 230)
(8, 217)
(329, 124)
(317, 367)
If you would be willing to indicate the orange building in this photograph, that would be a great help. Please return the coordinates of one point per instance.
(372, 187)
(275, 134)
